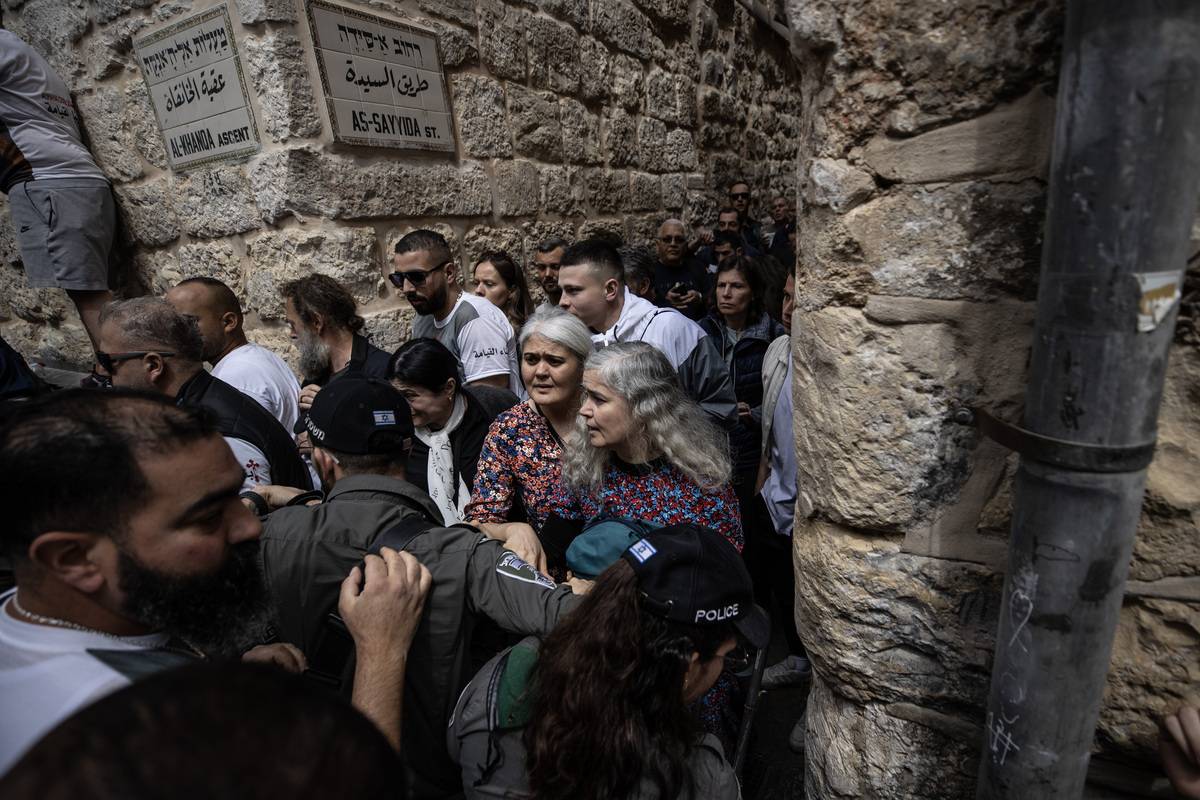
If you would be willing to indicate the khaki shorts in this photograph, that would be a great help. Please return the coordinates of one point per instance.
(64, 229)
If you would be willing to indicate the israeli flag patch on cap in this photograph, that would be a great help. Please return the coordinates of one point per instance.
(642, 550)
(385, 417)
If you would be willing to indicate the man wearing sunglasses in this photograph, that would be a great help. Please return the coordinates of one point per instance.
(679, 281)
(740, 197)
(477, 332)
(146, 344)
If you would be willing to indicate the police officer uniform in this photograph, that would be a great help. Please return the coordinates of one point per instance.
(307, 551)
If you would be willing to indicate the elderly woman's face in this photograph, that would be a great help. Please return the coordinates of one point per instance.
(607, 414)
(550, 371)
(430, 409)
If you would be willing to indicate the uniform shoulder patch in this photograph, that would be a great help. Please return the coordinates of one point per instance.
(514, 567)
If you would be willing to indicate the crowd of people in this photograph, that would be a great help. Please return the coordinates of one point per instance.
(526, 554)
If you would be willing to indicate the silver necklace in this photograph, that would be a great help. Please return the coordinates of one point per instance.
(56, 622)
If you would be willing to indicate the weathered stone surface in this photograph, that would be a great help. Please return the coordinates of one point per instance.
(303, 182)
(9, 252)
(620, 139)
(457, 46)
(483, 238)
(111, 49)
(671, 98)
(280, 75)
(149, 212)
(607, 190)
(388, 330)
(1009, 142)
(51, 27)
(669, 12)
(66, 345)
(886, 751)
(594, 77)
(562, 191)
(518, 188)
(142, 127)
(976, 240)
(160, 270)
(216, 201)
(610, 229)
(459, 11)
(575, 12)
(108, 10)
(679, 151)
(642, 229)
(625, 75)
(621, 26)
(838, 184)
(482, 120)
(553, 56)
(645, 192)
(674, 191)
(581, 133)
(252, 12)
(651, 141)
(350, 255)
(38, 306)
(502, 39)
(276, 339)
(904, 461)
(103, 114)
(537, 132)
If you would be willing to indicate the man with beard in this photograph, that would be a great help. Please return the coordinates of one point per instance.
(362, 432)
(146, 344)
(475, 331)
(679, 281)
(323, 320)
(250, 368)
(545, 261)
(121, 567)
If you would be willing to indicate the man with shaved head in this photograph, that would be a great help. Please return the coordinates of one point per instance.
(679, 281)
(249, 368)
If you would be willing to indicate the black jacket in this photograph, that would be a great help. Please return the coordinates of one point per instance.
(365, 359)
(484, 404)
(240, 417)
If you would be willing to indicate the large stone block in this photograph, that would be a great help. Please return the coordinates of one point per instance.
(481, 239)
(142, 127)
(280, 76)
(66, 345)
(837, 184)
(458, 47)
(594, 78)
(553, 56)
(976, 241)
(563, 191)
(874, 394)
(674, 13)
(149, 212)
(581, 133)
(104, 116)
(252, 12)
(37, 306)
(651, 141)
(389, 329)
(160, 270)
(674, 191)
(216, 201)
(671, 97)
(1011, 142)
(482, 120)
(679, 151)
(625, 76)
(620, 25)
(349, 255)
(612, 230)
(641, 230)
(894, 751)
(459, 11)
(502, 39)
(607, 190)
(537, 132)
(645, 192)
(620, 138)
(52, 27)
(108, 10)
(111, 50)
(518, 188)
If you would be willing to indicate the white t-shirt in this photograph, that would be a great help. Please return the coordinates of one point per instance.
(265, 377)
(254, 462)
(481, 338)
(46, 675)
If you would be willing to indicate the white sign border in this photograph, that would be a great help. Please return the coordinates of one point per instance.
(449, 146)
(200, 17)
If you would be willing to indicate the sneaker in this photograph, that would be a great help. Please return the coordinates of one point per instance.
(792, 671)
(796, 737)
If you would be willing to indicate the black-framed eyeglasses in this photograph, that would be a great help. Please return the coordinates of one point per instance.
(414, 276)
(738, 660)
(672, 239)
(740, 195)
(110, 360)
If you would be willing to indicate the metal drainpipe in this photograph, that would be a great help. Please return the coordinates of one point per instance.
(1123, 189)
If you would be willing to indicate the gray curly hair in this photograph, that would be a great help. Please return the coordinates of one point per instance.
(670, 422)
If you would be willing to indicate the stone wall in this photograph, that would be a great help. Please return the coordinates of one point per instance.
(573, 118)
(923, 157)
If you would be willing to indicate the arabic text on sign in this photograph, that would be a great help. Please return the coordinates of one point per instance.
(188, 90)
(405, 87)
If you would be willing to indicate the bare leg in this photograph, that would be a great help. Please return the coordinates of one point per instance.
(89, 304)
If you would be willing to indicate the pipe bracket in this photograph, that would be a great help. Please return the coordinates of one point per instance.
(1062, 453)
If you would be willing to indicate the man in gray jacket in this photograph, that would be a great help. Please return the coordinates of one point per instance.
(361, 432)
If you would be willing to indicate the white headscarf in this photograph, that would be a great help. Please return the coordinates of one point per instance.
(439, 471)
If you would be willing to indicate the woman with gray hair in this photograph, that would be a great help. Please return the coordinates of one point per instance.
(519, 464)
(643, 450)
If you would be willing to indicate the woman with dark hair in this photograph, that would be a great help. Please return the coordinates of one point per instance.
(502, 281)
(600, 710)
(451, 422)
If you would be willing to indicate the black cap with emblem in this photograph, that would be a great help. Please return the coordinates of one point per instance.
(692, 574)
(360, 416)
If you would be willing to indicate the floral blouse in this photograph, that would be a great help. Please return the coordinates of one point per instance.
(520, 455)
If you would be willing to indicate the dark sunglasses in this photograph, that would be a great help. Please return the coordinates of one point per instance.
(416, 276)
(110, 360)
(740, 195)
(738, 660)
(672, 239)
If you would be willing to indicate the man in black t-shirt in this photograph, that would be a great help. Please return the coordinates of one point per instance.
(680, 282)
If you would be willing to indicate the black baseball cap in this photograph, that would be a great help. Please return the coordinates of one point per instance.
(692, 574)
(360, 416)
